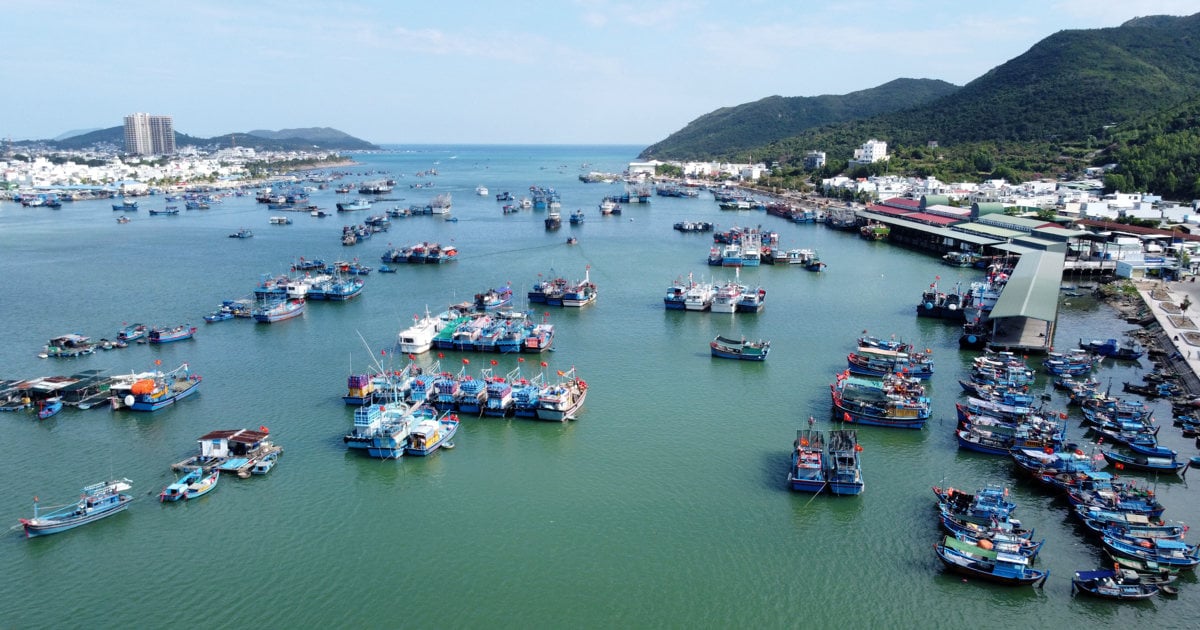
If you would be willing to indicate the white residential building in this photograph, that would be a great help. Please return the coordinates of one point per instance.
(871, 151)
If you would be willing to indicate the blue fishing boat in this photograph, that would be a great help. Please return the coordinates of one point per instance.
(264, 464)
(1147, 463)
(176, 491)
(132, 332)
(807, 473)
(843, 470)
(500, 401)
(206, 483)
(49, 407)
(389, 440)
(1123, 585)
(878, 402)
(581, 293)
(985, 564)
(127, 205)
(428, 434)
(1071, 363)
(988, 505)
(526, 396)
(577, 217)
(168, 335)
(98, 501)
(1127, 525)
(493, 299)
(1128, 349)
(997, 540)
(1164, 552)
(878, 362)
(154, 390)
(471, 395)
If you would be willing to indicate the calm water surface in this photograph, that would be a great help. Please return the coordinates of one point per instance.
(664, 504)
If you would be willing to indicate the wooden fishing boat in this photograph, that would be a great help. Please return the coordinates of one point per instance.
(99, 500)
(1124, 585)
(992, 566)
(744, 350)
(807, 473)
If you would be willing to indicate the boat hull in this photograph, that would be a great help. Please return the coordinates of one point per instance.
(45, 527)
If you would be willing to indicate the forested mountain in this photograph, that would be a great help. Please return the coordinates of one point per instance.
(734, 129)
(1159, 154)
(1066, 89)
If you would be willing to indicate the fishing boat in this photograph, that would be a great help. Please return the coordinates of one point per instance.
(1164, 552)
(127, 205)
(727, 297)
(561, 401)
(132, 332)
(726, 348)
(843, 470)
(269, 313)
(97, 501)
(499, 401)
(876, 402)
(582, 293)
(177, 490)
(527, 396)
(493, 299)
(264, 464)
(1071, 363)
(1123, 585)
(576, 217)
(699, 296)
(122, 219)
(807, 473)
(870, 361)
(960, 259)
(418, 338)
(350, 206)
(168, 335)
(1127, 349)
(49, 407)
(992, 566)
(1146, 463)
(553, 220)
(152, 391)
(752, 301)
(242, 233)
(203, 485)
(429, 434)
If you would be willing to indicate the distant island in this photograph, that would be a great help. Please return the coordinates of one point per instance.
(302, 139)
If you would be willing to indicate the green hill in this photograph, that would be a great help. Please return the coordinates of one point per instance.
(744, 127)
(1160, 154)
(1065, 89)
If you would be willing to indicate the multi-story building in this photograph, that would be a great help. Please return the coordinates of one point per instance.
(146, 134)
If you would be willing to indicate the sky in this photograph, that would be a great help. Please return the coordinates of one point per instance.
(512, 72)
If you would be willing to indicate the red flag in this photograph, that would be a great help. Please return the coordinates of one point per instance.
(412, 357)
(544, 364)
(560, 372)
(846, 416)
(263, 428)
(383, 353)
(466, 362)
(520, 359)
(858, 448)
(495, 362)
(441, 356)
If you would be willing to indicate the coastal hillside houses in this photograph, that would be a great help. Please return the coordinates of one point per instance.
(870, 152)
(711, 170)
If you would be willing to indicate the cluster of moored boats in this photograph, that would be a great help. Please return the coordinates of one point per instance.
(241, 452)
(1002, 418)
(75, 344)
(416, 410)
(730, 296)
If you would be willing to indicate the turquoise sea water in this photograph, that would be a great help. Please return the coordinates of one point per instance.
(664, 504)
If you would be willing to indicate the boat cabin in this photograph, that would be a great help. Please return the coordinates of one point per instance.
(231, 443)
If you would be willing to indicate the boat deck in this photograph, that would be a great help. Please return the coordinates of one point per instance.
(239, 465)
